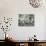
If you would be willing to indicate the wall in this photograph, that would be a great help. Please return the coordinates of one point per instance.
(12, 8)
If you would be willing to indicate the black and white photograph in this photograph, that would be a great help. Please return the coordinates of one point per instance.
(26, 20)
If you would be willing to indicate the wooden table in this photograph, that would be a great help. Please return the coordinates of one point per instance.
(28, 43)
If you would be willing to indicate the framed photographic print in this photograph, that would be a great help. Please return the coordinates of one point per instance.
(26, 20)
